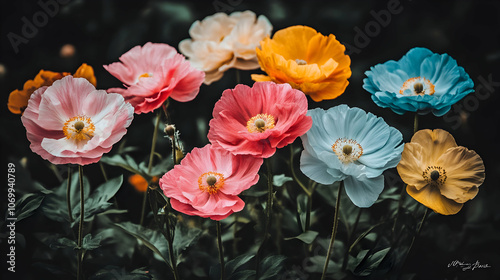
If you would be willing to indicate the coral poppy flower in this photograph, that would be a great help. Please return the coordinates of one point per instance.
(208, 181)
(307, 60)
(72, 122)
(18, 99)
(140, 183)
(152, 74)
(351, 145)
(421, 81)
(440, 174)
(257, 120)
(220, 42)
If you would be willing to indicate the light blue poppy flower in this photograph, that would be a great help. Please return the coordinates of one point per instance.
(421, 81)
(351, 145)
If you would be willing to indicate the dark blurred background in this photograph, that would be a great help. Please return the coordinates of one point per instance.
(100, 31)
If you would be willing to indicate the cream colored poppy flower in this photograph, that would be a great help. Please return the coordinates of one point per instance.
(440, 174)
(220, 42)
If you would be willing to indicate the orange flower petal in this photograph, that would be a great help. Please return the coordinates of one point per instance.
(411, 165)
(465, 173)
(87, 72)
(138, 182)
(18, 100)
(432, 198)
(435, 142)
(307, 60)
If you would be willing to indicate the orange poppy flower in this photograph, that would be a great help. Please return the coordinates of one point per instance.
(307, 60)
(18, 99)
(440, 174)
(140, 183)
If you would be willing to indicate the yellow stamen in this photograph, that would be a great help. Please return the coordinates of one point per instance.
(260, 123)
(79, 128)
(211, 182)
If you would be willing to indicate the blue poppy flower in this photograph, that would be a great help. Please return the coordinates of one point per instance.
(351, 145)
(421, 81)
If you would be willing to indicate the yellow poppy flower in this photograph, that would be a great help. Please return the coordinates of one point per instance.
(440, 174)
(18, 99)
(307, 60)
(140, 183)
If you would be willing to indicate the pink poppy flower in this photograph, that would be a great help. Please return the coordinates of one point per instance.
(255, 121)
(208, 181)
(153, 73)
(72, 122)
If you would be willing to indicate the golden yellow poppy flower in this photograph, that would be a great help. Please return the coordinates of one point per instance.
(307, 60)
(18, 99)
(440, 174)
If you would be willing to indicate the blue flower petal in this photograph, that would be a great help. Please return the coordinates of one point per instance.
(363, 191)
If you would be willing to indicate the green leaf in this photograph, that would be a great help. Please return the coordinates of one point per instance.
(183, 238)
(97, 202)
(306, 237)
(63, 242)
(234, 266)
(302, 209)
(27, 205)
(280, 180)
(55, 206)
(271, 266)
(151, 239)
(126, 162)
(90, 243)
(370, 264)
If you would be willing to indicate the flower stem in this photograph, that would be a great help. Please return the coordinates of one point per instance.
(415, 123)
(417, 233)
(166, 233)
(68, 195)
(80, 227)
(309, 205)
(334, 230)
(150, 165)
(295, 175)
(269, 207)
(349, 240)
(238, 79)
(221, 250)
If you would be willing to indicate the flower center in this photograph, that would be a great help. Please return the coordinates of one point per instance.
(260, 123)
(435, 175)
(79, 128)
(417, 86)
(347, 150)
(301, 61)
(211, 182)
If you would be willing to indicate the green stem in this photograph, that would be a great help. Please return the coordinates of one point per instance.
(269, 207)
(349, 239)
(309, 205)
(334, 231)
(238, 79)
(68, 195)
(150, 165)
(415, 123)
(295, 175)
(402, 195)
(417, 233)
(221, 250)
(80, 226)
(166, 233)
(174, 149)
(103, 171)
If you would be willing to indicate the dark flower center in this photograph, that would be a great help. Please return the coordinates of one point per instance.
(435, 175)
(418, 87)
(79, 125)
(347, 149)
(211, 180)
